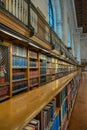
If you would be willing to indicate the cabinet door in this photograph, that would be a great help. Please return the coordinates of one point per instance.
(4, 64)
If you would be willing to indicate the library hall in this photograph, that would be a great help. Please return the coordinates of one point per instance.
(43, 64)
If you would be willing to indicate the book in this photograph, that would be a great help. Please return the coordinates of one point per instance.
(42, 71)
(29, 127)
(19, 62)
(4, 90)
(34, 73)
(56, 123)
(19, 85)
(18, 75)
(63, 110)
(44, 125)
(42, 80)
(19, 50)
(33, 54)
(35, 123)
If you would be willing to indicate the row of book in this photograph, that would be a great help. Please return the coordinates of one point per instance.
(18, 75)
(53, 65)
(53, 71)
(48, 65)
(34, 124)
(33, 54)
(19, 50)
(48, 114)
(42, 63)
(42, 71)
(53, 77)
(42, 56)
(33, 82)
(48, 78)
(71, 93)
(4, 90)
(56, 123)
(69, 101)
(63, 110)
(2, 80)
(48, 118)
(63, 94)
(34, 73)
(48, 59)
(69, 97)
(42, 80)
(48, 71)
(19, 8)
(64, 124)
(19, 85)
(19, 62)
(34, 64)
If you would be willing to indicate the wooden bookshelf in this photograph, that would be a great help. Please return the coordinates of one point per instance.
(28, 105)
(19, 68)
(33, 69)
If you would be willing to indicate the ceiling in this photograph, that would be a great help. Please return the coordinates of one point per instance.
(81, 14)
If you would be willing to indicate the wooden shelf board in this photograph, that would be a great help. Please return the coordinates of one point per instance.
(24, 107)
(19, 56)
(3, 84)
(34, 77)
(34, 58)
(33, 68)
(3, 98)
(19, 67)
(42, 66)
(34, 85)
(48, 74)
(19, 90)
(19, 80)
(42, 75)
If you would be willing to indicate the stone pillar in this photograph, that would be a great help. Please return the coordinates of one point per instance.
(77, 46)
(58, 18)
(64, 19)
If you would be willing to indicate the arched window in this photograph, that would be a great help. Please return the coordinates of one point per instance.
(50, 14)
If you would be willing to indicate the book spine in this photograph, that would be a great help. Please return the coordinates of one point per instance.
(19, 85)
(4, 91)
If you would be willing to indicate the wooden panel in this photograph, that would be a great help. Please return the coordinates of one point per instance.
(22, 108)
(40, 42)
(13, 24)
(57, 52)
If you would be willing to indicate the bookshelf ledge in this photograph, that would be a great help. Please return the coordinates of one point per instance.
(23, 108)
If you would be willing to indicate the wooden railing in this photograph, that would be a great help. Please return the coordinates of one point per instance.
(25, 12)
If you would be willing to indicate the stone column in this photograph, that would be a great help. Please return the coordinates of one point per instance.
(58, 18)
(64, 20)
(77, 46)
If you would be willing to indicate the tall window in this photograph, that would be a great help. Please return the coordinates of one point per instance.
(58, 18)
(69, 37)
(50, 14)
